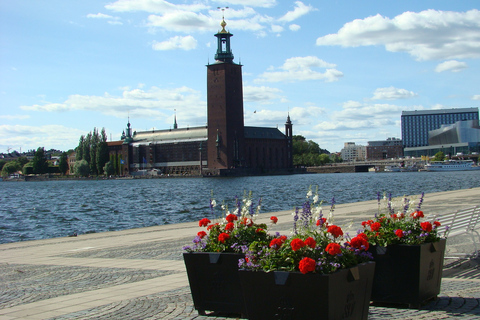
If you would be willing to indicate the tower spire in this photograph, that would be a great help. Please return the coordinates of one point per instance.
(224, 53)
(175, 126)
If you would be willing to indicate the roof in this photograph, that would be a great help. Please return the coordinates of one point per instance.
(439, 111)
(170, 136)
(263, 133)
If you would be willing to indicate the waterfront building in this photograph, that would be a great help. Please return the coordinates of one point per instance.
(225, 146)
(416, 124)
(384, 149)
(353, 152)
(461, 138)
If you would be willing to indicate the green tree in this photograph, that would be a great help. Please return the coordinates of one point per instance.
(63, 163)
(324, 159)
(10, 167)
(22, 161)
(39, 162)
(82, 168)
(79, 149)
(109, 169)
(102, 152)
(439, 156)
(2, 163)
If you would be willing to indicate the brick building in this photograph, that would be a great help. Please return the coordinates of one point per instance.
(223, 147)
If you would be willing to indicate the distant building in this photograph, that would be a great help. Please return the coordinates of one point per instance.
(417, 124)
(223, 147)
(352, 152)
(384, 149)
(462, 137)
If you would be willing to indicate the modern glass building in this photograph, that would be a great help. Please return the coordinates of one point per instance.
(417, 124)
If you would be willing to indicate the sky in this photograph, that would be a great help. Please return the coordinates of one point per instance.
(343, 70)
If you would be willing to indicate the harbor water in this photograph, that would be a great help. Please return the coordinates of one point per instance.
(48, 209)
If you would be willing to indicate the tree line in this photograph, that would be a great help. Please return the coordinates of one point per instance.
(38, 165)
(309, 154)
(92, 156)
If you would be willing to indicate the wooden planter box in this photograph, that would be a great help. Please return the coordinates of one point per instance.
(292, 295)
(408, 274)
(214, 282)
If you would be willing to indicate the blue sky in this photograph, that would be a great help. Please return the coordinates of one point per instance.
(343, 70)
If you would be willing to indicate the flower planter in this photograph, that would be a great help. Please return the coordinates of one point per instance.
(407, 274)
(214, 282)
(292, 295)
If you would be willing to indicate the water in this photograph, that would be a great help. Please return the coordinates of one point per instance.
(39, 210)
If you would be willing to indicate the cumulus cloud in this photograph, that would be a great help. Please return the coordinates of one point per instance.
(426, 35)
(358, 111)
(261, 94)
(301, 69)
(111, 20)
(294, 27)
(476, 97)
(251, 3)
(299, 10)
(31, 137)
(153, 6)
(154, 103)
(451, 65)
(392, 93)
(182, 21)
(177, 42)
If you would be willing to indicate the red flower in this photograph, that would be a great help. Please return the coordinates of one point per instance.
(399, 233)
(437, 224)
(273, 219)
(231, 217)
(333, 249)
(375, 226)
(417, 214)
(283, 238)
(297, 244)
(259, 230)
(229, 226)
(335, 231)
(310, 242)
(321, 221)
(201, 234)
(204, 222)
(358, 242)
(367, 223)
(222, 237)
(362, 235)
(426, 226)
(307, 265)
(246, 221)
(211, 226)
(276, 243)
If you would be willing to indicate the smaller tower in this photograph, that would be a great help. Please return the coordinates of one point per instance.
(289, 137)
(224, 52)
(175, 126)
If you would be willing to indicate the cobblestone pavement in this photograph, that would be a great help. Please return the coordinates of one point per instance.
(139, 274)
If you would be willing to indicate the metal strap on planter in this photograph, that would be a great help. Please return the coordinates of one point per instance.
(463, 221)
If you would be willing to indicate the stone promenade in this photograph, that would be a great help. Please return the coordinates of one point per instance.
(140, 274)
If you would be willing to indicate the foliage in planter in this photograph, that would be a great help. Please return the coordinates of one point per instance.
(317, 245)
(400, 222)
(234, 230)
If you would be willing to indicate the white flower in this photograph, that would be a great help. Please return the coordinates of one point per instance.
(309, 193)
(213, 203)
(316, 198)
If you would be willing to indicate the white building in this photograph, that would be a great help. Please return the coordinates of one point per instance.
(352, 152)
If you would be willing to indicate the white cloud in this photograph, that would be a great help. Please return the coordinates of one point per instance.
(476, 97)
(260, 94)
(451, 65)
(154, 103)
(276, 28)
(427, 35)
(177, 42)
(251, 3)
(182, 21)
(299, 10)
(294, 27)
(99, 16)
(32, 137)
(152, 6)
(392, 93)
(301, 69)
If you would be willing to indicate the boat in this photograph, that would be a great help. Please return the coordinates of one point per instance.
(451, 165)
